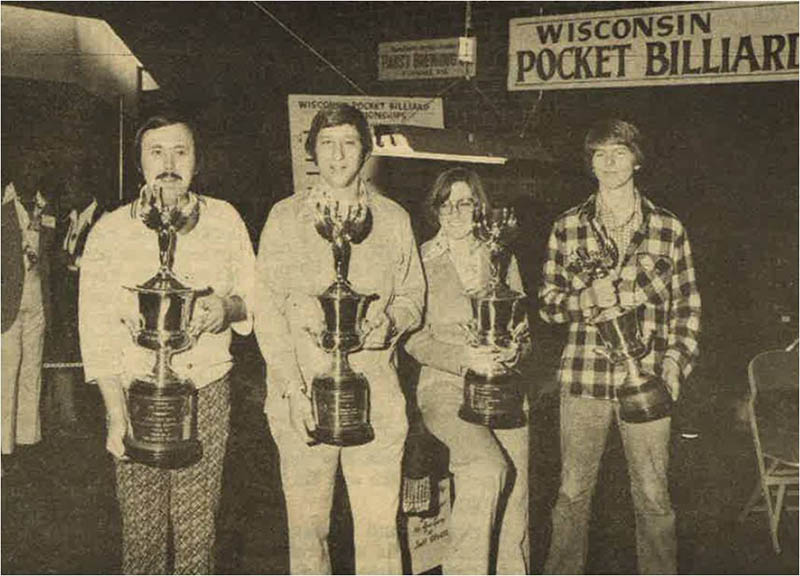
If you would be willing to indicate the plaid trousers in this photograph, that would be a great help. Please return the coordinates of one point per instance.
(151, 498)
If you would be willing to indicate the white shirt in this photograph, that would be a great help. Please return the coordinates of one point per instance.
(121, 251)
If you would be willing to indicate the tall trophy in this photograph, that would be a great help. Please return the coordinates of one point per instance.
(162, 407)
(643, 397)
(495, 399)
(340, 397)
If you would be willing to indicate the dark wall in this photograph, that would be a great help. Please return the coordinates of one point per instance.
(64, 132)
(724, 158)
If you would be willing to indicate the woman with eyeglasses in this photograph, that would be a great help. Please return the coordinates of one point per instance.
(490, 466)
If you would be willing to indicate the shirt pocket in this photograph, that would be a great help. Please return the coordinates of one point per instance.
(653, 277)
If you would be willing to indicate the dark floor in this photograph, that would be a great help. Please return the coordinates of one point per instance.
(59, 513)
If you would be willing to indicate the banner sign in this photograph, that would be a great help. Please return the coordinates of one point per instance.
(420, 59)
(427, 112)
(705, 43)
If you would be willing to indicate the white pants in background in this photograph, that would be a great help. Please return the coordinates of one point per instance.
(23, 344)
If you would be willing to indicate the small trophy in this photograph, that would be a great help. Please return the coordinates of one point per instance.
(340, 398)
(162, 407)
(495, 400)
(643, 397)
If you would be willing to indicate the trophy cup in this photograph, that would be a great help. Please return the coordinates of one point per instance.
(162, 407)
(643, 397)
(340, 399)
(496, 399)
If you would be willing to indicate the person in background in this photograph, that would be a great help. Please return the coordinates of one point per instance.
(486, 463)
(294, 266)
(654, 273)
(79, 212)
(212, 250)
(28, 227)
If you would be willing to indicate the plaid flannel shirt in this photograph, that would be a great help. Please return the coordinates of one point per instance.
(657, 278)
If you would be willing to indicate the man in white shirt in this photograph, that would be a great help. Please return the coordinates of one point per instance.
(213, 250)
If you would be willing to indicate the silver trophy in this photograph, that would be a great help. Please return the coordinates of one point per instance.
(495, 399)
(340, 397)
(643, 397)
(162, 407)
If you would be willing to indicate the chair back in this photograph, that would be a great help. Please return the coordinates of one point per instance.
(773, 370)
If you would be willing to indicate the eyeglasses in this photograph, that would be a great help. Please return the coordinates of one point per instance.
(464, 206)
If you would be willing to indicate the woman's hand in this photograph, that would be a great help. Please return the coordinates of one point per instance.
(485, 361)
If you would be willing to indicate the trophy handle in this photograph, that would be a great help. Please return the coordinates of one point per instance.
(317, 337)
(132, 326)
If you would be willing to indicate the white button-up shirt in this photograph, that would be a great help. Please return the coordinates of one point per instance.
(122, 252)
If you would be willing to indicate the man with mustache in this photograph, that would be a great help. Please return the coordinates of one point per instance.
(212, 250)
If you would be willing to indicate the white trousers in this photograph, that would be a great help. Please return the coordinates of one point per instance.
(372, 474)
(490, 469)
(23, 344)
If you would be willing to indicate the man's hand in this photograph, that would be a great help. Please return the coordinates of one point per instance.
(378, 332)
(671, 373)
(602, 293)
(117, 426)
(210, 315)
(301, 417)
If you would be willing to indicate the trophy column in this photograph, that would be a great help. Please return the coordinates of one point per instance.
(340, 398)
(496, 399)
(643, 397)
(162, 407)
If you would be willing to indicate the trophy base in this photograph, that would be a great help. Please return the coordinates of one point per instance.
(644, 402)
(340, 405)
(163, 423)
(341, 437)
(181, 455)
(492, 401)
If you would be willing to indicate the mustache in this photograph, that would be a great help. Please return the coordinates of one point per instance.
(169, 175)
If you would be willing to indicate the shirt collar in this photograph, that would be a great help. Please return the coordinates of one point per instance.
(588, 209)
(88, 212)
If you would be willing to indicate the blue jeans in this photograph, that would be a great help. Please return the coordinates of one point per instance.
(584, 428)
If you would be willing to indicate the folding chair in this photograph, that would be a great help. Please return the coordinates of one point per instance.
(772, 408)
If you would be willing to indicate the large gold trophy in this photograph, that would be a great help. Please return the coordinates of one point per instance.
(340, 397)
(495, 399)
(643, 397)
(162, 407)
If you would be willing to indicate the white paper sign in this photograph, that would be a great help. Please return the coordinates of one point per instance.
(420, 59)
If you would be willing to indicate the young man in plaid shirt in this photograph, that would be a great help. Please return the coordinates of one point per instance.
(653, 274)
